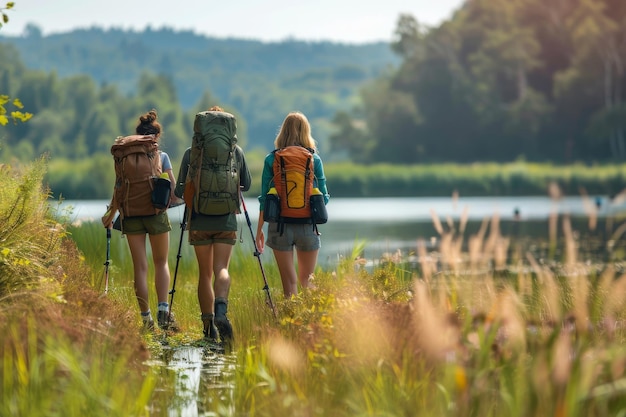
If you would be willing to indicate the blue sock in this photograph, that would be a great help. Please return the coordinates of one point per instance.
(163, 306)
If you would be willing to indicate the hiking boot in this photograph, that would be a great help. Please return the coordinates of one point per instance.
(209, 329)
(221, 321)
(165, 324)
(224, 328)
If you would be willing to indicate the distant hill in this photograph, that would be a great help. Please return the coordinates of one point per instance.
(262, 81)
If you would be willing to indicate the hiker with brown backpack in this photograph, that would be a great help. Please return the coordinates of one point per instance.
(213, 172)
(144, 187)
(293, 201)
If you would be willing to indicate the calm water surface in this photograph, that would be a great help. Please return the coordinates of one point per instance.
(391, 224)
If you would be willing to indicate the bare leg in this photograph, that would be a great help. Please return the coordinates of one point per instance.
(206, 296)
(160, 248)
(137, 246)
(287, 270)
(221, 260)
(306, 266)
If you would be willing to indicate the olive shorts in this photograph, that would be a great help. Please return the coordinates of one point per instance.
(302, 236)
(204, 237)
(153, 225)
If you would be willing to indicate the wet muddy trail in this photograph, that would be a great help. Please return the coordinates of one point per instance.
(193, 382)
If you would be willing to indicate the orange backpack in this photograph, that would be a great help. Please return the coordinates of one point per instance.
(293, 180)
(137, 167)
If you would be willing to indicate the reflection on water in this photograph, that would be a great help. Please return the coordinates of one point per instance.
(201, 379)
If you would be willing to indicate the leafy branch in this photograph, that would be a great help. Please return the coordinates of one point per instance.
(16, 115)
(5, 17)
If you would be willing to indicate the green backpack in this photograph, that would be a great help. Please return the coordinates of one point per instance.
(213, 172)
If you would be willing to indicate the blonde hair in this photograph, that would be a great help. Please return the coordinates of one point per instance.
(295, 130)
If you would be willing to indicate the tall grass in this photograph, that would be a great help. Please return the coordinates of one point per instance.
(64, 349)
(462, 344)
(477, 326)
(487, 331)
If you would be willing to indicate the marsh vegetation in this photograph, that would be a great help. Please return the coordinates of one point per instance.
(479, 325)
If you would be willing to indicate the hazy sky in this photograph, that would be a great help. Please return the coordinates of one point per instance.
(353, 21)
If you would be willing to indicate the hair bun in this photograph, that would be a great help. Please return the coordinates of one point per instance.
(149, 117)
(148, 124)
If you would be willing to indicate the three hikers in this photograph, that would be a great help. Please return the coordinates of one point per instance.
(213, 174)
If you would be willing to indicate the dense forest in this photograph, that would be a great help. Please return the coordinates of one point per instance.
(541, 80)
(499, 81)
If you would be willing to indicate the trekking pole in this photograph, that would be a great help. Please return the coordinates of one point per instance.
(107, 262)
(258, 256)
(183, 226)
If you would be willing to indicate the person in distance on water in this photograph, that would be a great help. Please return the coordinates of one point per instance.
(157, 228)
(294, 131)
(213, 238)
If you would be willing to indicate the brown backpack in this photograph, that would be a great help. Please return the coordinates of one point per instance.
(137, 166)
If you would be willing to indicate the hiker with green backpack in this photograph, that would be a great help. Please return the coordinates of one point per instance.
(141, 172)
(293, 201)
(212, 173)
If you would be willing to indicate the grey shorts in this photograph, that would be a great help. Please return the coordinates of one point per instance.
(302, 236)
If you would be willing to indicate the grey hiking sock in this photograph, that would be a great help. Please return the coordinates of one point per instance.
(146, 318)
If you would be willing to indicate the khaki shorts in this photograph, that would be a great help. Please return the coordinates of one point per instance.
(152, 225)
(203, 237)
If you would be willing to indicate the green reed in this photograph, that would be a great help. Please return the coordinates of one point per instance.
(64, 350)
(53, 378)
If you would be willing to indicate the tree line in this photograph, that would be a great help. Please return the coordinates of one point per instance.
(260, 81)
(538, 80)
(500, 80)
